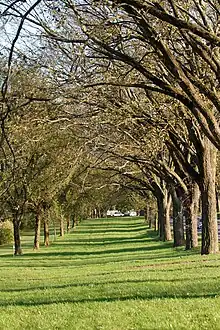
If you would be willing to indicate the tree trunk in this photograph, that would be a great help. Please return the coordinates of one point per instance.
(188, 223)
(146, 214)
(54, 228)
(151, 215)
(46, 233)
(187, 207)
(155, 222)
(73, 220)
(167, 228)
(208, 197)
(61, 226)
(217, 201)
(161, 217)
(17, 238)
(37, 231)
(194, 213)
(163, 205)
(178, 229)
(68, 224)
(99, 213)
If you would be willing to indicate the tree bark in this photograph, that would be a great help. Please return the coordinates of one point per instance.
(167, 229)
(155, 222)
(194, 213)
(17, 238)
(188, 221)
(61, 226)
(68, 224)
(208, 197)
(37, 230)
(73, 220)
(217, 201)
(161, 217)
(146, 214)
(187, 212)
(178, 229)
(46, 233)
(163, 205)
(151, 215)
(54, 228)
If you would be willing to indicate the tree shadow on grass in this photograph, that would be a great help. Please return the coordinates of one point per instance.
(107, 240)
(105, 252)
(68, 261)
(142, 238)
(156, 267)
(95, 231)
(101, 283)
(111, 299)
(114, 225)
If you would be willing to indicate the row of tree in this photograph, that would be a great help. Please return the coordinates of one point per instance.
(128, 89)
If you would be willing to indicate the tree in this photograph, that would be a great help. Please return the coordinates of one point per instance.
(170, 62)
(160, 49)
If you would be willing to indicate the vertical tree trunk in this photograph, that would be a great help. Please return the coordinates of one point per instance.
(73, 220)
(17, 238)
(54, 227)
(190, 211)
(194, 213)
(163, 205)
(217, 201)
(61, 226)
(68, 224)
(161, 217)
(208, 197)
(146, 214)
(167, 228)
(188, 223)
(187, 207)
(178, 229)
(46, 233)
(37, 230)
(151, 215)
(155, 222)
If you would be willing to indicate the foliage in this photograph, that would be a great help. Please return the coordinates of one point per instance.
(6, 232)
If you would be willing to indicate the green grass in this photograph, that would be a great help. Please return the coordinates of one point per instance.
(109, 274)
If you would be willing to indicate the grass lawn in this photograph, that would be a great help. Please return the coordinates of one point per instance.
(109, 274)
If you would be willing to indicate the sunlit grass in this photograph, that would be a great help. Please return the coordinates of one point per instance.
(109, 274)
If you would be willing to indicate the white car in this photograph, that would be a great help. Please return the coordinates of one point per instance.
(118, 214)
(133, 213)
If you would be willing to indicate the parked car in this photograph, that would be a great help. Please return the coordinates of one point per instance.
(127, 214)
(118, 214)
(133, 213)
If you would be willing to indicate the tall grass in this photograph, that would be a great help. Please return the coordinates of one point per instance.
(110, 274)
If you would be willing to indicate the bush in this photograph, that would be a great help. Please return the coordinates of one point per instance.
(6, 232)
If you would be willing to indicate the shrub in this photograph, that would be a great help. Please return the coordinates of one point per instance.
(6, 232)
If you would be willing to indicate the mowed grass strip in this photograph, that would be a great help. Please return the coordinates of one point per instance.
(109, 274)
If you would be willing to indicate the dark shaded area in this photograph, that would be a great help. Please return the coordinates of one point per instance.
(116, 282)
(111, 299)
(104, 231)
(102, 252)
